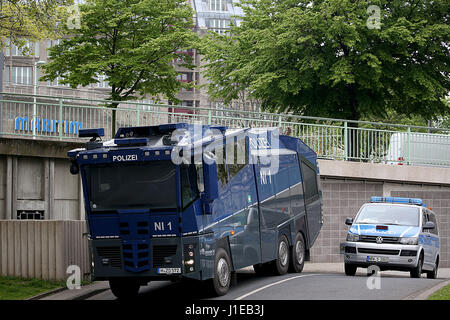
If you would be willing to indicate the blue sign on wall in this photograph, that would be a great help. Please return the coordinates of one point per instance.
(47, 125)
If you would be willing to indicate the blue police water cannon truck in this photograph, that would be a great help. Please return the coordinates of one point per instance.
(180, 201)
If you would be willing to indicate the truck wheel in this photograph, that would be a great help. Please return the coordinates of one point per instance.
(433, 274)
(124, 289)
(417, 271)
(350, 269)
(281, 264)
(222, 273)
(298, 254)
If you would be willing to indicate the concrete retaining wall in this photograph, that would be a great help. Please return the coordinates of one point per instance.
(42, 249)
(346, 186)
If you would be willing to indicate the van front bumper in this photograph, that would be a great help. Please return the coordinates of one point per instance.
(386, 256)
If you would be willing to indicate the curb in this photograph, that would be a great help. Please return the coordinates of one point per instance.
(48, 293)
(424, 294)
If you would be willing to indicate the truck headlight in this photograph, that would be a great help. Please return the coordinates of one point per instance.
(409, 240)
(352, 237)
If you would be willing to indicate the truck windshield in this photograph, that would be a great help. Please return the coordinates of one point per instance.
(389, 214)
(150, 185)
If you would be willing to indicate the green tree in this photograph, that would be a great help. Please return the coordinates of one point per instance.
(131, 42)
(336, 58)
(31, 19)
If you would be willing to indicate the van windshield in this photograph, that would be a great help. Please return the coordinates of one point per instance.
(389, 214)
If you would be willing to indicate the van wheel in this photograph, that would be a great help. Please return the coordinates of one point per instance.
(281, 264)
(298, 254)
(433, 274)
(124, 289)
(350, 269)
(222, 273)
(417, 271)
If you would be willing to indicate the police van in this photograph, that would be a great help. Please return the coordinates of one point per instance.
(179, 201)
(394, 234)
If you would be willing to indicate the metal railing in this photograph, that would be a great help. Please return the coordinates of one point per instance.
(60, 118)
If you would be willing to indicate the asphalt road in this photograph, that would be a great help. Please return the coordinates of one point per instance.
(293, 286)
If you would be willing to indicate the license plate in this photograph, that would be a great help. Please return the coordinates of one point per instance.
(377, 259)
(168, 270)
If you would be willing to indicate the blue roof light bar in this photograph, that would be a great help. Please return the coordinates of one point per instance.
(91, 133)
(416, 201)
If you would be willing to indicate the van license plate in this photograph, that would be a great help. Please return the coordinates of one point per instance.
(168, 270)
(377, 259)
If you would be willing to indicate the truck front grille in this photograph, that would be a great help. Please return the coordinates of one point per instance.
(162, 255)
(111, 253)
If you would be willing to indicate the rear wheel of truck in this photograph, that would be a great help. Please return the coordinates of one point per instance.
(281, 264)
(124, 289)
(298, 253)
(222, 273)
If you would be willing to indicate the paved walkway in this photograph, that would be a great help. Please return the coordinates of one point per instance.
(101, 286)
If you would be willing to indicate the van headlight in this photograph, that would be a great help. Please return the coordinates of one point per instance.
(352, 237)
(409, 240)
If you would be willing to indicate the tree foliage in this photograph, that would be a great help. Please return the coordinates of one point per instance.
(131, 42)
(325, 58)
(31, 19)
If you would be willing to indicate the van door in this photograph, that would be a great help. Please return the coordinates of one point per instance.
(312, 200)
(434, 233)
(426, 242)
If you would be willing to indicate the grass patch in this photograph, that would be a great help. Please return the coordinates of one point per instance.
(442, 294)
(15, 288)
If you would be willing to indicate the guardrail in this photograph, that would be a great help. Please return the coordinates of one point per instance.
(60, 118)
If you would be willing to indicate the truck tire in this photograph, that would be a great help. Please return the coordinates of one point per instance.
(417, 271)
(281, 264)
(222, 273)
(350, 269)
(298, 254)
(124, 289)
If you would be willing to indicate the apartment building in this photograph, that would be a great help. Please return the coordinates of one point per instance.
(20, 72)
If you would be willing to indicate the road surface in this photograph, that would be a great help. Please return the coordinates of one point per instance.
(293, 286)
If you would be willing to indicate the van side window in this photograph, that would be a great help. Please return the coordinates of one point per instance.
(424, 218)
(309, 181)
(432, 218)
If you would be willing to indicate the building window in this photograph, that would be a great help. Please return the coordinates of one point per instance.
(30, 215)
(20, 75)
(29, 49)
(57, 83)
(221, 26)
(217, 5)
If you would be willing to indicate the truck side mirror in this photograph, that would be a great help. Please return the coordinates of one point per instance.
(429, 225)
(349, 221)
(74, 168)
(210, 181)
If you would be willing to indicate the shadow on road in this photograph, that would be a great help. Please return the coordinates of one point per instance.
(193, 289)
